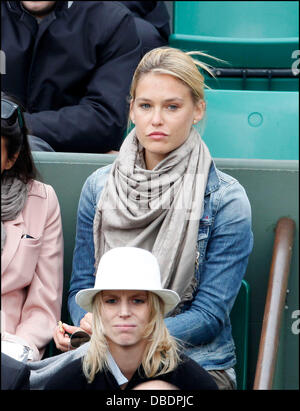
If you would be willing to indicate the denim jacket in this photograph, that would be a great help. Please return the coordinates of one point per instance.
(224, 243)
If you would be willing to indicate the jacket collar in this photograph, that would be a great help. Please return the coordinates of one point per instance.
(36, 189)
(213, 180)
(29, 20)
(18, 220)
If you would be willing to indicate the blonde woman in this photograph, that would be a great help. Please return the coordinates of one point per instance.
(164, 193)
(130, 344)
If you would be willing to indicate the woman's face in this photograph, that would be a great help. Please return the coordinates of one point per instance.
(124, 316)
(163, 112)
(6, 163)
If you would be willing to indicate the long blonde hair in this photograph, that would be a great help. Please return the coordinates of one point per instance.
(162, 350)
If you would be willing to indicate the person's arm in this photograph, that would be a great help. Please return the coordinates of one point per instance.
(67, 376)
(42, 305)
(83, 257)
(221, 272)
(97, 123)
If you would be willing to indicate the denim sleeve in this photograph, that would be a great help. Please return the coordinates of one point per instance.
(83, 257)
(221, 270)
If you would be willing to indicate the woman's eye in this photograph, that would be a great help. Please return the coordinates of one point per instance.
(145, 106)
(172, 107)
(138, 301)
(110, 301)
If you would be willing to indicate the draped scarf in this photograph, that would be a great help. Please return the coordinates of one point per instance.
(158, 210)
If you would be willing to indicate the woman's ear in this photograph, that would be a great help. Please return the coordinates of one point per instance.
(199, 112)
(131, 115)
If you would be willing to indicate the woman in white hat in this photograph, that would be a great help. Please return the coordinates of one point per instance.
(130, 343)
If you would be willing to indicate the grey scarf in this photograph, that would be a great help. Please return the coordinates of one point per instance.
(158, 209)
(13, 197)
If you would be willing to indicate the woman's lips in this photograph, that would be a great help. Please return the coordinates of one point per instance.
(124, 326)
(157, 136)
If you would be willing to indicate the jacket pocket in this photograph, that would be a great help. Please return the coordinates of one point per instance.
(30, 242)
(26, 259)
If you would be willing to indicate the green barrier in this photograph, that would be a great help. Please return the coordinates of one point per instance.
(244, 33)
(252, 124)
(272, 188)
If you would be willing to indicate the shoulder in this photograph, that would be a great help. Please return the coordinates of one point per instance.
(232, 193)
(227, 206)
(42, 201)
(113, 11)
(39, 189)
(94, 184)
(42, 193)
(228, 182)
(96, 21)
(99, 175)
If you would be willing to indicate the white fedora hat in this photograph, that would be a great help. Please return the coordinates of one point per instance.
(128, 268)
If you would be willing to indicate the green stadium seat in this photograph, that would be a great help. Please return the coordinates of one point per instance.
(248, 35)
(252, 124)
(244, 33)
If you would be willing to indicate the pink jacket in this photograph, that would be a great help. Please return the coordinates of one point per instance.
(32, 270)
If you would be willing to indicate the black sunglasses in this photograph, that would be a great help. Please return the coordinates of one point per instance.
(11, 112)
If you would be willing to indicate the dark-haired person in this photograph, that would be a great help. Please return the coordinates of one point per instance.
(31, 245)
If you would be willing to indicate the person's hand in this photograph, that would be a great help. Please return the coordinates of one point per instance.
(86, 323)
(62, 338)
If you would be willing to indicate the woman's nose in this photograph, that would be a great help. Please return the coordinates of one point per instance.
(157, 117)
(124, 309)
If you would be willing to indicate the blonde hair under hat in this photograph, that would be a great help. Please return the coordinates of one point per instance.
(128, 268)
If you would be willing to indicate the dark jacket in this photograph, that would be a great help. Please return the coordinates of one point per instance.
(155, 12)
(72, 71)
(187, 376)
